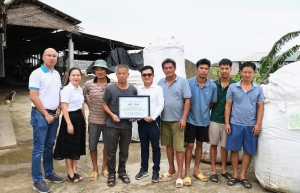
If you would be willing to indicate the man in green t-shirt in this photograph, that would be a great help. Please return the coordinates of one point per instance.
(217, 133)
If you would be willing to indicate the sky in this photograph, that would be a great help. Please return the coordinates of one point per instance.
(212, 29)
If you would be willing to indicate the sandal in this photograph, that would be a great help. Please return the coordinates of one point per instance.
(93, 176)
(187, 181)
(232, 181)
(179, 183)
(214, 178)
(79, 177)
(124, 177)
(105, 173)
(74, 179)
(227, 175)
(201, 177)
(167, 175)
(111, 181)
(246, 183)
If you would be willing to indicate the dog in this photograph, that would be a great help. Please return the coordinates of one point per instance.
(8, 99)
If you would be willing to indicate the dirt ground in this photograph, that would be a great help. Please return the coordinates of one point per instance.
(15, 173)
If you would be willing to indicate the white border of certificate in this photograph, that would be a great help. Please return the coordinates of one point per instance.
(134, 107)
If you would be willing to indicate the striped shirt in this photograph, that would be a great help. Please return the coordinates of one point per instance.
(97, 115)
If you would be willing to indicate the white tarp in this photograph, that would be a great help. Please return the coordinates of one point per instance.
(277, 161)
(161, 49)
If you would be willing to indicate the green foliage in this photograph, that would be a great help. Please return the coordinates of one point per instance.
(271, 62)
(256, 78)
(216, 72)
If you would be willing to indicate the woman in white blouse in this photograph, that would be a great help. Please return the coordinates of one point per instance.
(70, 144)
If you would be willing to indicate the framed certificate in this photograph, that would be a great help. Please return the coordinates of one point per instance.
(134, 107)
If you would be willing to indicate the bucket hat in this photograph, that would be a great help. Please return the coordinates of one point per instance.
(100, 63)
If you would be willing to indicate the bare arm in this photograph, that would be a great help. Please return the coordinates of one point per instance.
(227, 112)
(86, 100)
(259, 115)
(186, 108)
(58, 110)
(114, 117)
(64, 107)
(34, 97)
(211, 105)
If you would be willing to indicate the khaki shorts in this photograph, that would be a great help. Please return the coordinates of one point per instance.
(171, 135)
(217, 134)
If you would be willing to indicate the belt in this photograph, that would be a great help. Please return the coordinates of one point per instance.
(48, 110)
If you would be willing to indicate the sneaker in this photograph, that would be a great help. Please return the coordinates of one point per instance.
(54, 178)
(141, 174)
(155, 177)
(41, 187)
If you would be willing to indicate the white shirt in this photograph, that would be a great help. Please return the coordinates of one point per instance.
(156, 99)
(48, 85)
(73, 96)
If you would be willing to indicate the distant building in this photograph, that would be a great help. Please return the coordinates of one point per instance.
(256, 57)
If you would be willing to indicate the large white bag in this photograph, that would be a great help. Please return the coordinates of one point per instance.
(277, 161)
(161, 49)
(206, 154)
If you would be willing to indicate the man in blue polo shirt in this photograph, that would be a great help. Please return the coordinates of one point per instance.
(44, 87)
(204, 95)
(177, 96)
(243, 117)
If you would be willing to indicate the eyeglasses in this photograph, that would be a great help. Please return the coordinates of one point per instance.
(51, 56)
(145, 75)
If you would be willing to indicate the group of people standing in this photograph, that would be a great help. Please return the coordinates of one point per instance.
(194, 111)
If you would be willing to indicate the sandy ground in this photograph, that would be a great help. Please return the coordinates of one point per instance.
(15, 173)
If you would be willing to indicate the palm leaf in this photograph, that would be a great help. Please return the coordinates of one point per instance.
(270, 58)
(278, 60)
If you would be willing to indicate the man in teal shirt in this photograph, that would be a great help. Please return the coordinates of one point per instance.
(204, 95)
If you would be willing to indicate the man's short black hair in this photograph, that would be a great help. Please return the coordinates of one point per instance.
(146, 68)
(225, 61)
(203, 61)
(168, 60)
(248, 64)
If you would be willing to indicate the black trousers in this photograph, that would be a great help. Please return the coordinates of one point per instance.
(115, 137)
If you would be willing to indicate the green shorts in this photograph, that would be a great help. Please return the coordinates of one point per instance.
(171, 135)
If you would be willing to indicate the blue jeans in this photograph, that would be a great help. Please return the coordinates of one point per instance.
(44, 135)
(149, 132)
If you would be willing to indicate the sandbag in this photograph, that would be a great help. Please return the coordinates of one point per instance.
(206, 154)
(276, 164)
(161, 49)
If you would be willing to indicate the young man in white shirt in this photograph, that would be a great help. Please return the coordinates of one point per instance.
(149, 127)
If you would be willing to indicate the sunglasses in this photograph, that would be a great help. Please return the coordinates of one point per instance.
(145, 75)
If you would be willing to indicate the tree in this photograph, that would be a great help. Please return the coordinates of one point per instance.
(272, 61)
